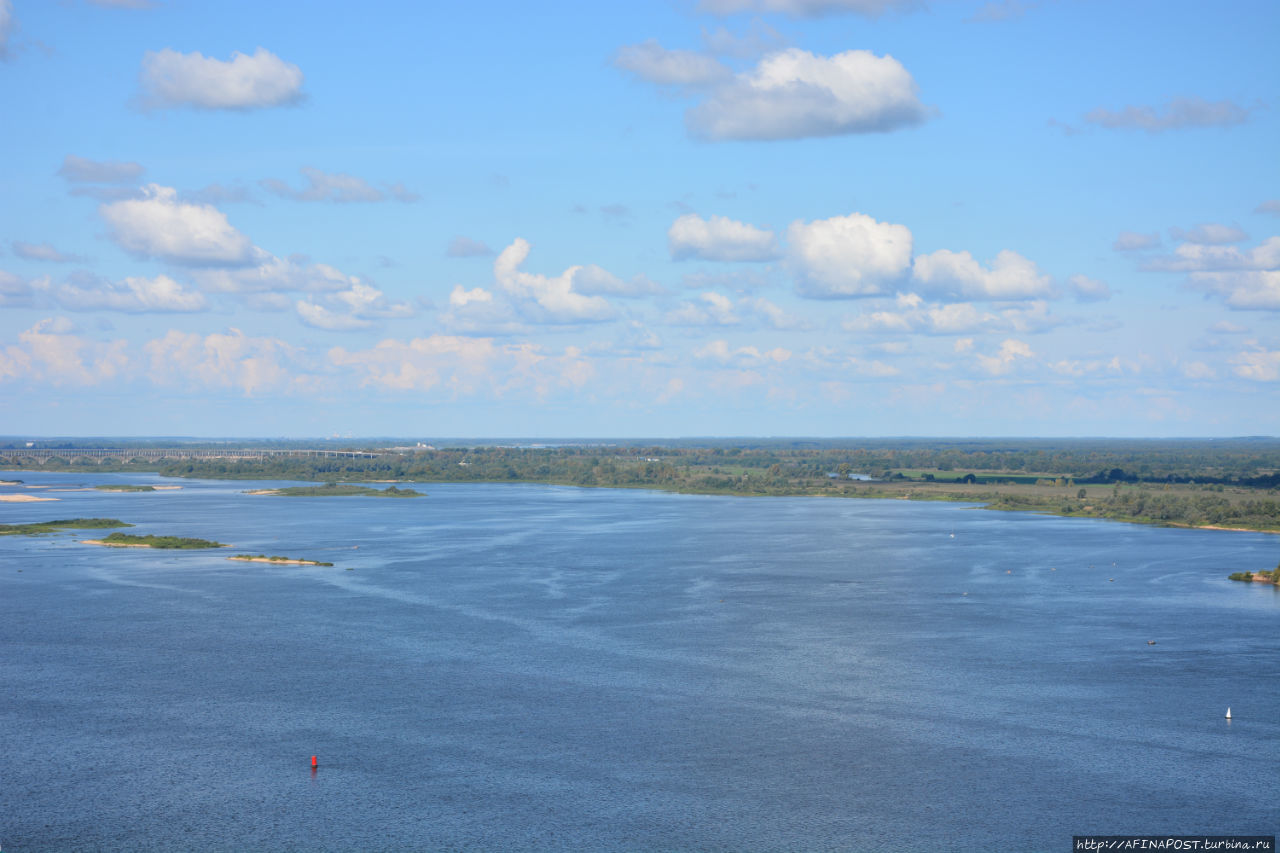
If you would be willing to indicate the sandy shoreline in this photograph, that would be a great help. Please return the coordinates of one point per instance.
(112, 544)
(275, 562)
(22, 499)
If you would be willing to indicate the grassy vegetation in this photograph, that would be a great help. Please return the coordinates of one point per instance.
(165, 542)
(264, 558)
(344, 490)
(39, 527)
(1271, 577)
(123, 487)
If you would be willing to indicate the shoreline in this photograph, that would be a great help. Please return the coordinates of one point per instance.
(106, 544)
(285, 562)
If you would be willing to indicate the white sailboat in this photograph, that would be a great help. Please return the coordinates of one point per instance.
(1228, 713)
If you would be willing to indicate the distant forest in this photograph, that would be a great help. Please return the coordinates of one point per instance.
(1228, 482)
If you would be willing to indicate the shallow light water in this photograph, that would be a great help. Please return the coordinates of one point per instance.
(529, 667)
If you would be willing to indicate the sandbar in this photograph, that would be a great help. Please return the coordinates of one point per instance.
(277, 561)
(22, 499)
(113, 544)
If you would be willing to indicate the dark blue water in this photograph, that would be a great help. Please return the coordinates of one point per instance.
(525, 667)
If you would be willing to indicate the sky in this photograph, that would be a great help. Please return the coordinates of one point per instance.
(650, 219)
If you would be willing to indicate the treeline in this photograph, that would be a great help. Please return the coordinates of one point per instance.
(1250, 463)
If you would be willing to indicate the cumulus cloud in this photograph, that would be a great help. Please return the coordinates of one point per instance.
(957, 275)
(546, 299)
(719, 239)
(720, 352)
(357, 307)
(1258, 364)
(232, 360)
(1178, 114)
(592, 280)
(335, 187)
(160, 226)
(478, 312)
(43, 252)
(912, 315)
(1130, 241)
(82, 170)
(654, 63)
(1210, 234)
(772, 315)
(1011, 354)
(1271, 206)
(1203, 257)
(848, 256)
(1257, 290)
(134, 295)
(709, 309)
(270, 274)
(465, 247)
(172, 79)
(1086, 289)
(48, 352)
(794, 94)
(809, 8)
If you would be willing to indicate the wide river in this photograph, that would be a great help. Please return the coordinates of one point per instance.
(516, 667)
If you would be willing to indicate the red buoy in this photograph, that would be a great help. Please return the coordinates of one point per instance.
(313, 762)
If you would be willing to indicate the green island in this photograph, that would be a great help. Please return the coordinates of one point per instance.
(38, 527)
(343, 490)
(126, 540)
(1271, 577)
(124, 487)
(263, 558)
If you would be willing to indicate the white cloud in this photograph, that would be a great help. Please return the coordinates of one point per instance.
(83, 170)
(8, 24)
(1259, 365)
(48, 352)
(913, 315)
(1210, 234)
(794, 94)
(1245, 290)
(270, 274)
(231, 360)
(848, 256)
(1199, 257)
(653, 63)
(719, 239)
(742, 357)
(133, 295)
(1178, 114)
(546, 299)
(158, 225)
(465, 247)
(357, 307)
(809, 8)
(1131, 241)
(1006, 360)
(335, 187)
(462, 364)
(14, 291)
(43, 252)
(710, 309)
(592, 280)
(1198, 370)
(773, 315)
(173, 79)
(1271, 206)
(957, 275)
(1087, 289)
(478, 312)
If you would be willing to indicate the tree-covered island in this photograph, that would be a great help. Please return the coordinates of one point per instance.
(341, 490)
(36, 528)
(180, 543)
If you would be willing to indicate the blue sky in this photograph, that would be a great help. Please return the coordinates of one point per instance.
(680, 218)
